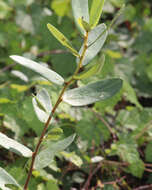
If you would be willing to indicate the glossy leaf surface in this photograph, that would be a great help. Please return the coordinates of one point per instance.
(95, 12)
(14, 146)
(5, 179)
(93, 92)
(43, 71)
(45, 157)
(94, 48)
(42, 105)
(62, 39)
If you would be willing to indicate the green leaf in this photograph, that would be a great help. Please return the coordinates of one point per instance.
(148, 152)
(94, 46)
(14, 146)
(93, 92)
(95, 12)
(127, 150)
(45, 72)
(80, 10)
(42, 105)
(84, 24)
(130, 94)
(93, 70)
(72, 157)
(52, 185)
(5, 179)
(45, 157)
(54, 134)
(62, 39)
(61, 7)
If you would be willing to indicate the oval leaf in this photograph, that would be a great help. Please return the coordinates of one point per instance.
(96, 46)
(43, 71)
(95, 12)
(93, 70)
(14, 146)
(80, 10)
(93, 92)
(45, 157)
(62, 39)
(42, 105)
(5, 179)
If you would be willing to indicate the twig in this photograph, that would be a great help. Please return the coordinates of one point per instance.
(105, 123)
(86, 185)
(115, 182)
(148, 187)
(56, 51)
(148, 170)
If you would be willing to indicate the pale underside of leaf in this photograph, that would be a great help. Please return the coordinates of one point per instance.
(42, 105)
(93, 92)
(14, 146)
(5, 179)
(45, 157)
(80, 10)
(94, 49)
(62, 39)
(43, 71)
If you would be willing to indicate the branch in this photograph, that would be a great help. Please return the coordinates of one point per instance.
(148, 187)
(66, 85)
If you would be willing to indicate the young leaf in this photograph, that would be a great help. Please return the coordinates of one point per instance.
(95, 12)
(45, 157)
(92, 50)
(93, 92)
(5, 179)
(80, 10)
(84, 24)
(91, 71)
(42, 105)
(62, 39)
(14, 146)
(43, 71)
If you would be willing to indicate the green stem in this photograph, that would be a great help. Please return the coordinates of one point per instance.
(53, 111)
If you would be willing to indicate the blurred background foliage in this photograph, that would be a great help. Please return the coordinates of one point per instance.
(128, 52)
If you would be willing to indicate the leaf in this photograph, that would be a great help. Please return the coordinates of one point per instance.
(72, 157)
(14, 146)
(148, 152)
(80, 10)
(42, 105)
(130, 94)
(61, 7)
(91, 71)
(95, 12)
(94, 45)
(127, 150)
(43, 71)
(62, 39)
(45, 157)
(84, 24)
(54, 134)
(93, 92)
(5, 179)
